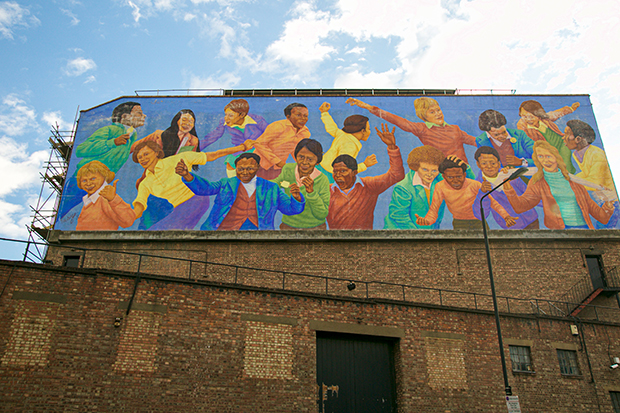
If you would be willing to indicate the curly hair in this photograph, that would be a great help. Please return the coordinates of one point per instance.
(94, 167)
(124, 108)
(426, 154)
(580, 128)
(452, 162)
(491, 119)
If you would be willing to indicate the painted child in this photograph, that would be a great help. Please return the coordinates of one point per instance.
(459, 193)
(103, 209)
(347, 141)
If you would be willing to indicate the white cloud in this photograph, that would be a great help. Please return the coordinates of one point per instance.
(136, 11)
(16, 117)
(356, 50)
(223, 81)
(20, 171)
(53, 119)
(216, 26)
(79, 66)
(19, 166)
(74, 20)
(147, 8)
(12, 16)
(90, 79)
(13, 220)
(380, 80)
(300, 48)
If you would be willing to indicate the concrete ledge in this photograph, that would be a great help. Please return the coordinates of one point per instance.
(564, 346)
(332, 235)
(357, 329)
(517, 342)
(43, 297)
(449, 336)
(269, 319)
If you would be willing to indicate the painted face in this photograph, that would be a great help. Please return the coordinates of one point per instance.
(547, 160)
(232, 118)
(529, 118)
(428, 173)
(306, 161)
(434, 115)
(186, 123)
(501, 134)
(455, 177)
(147, 158)
(246, 169)
(135, 118)
(298, 117)
(366, 133)
(569, 139)
(91, 182)
(343, 176)
(488, 164)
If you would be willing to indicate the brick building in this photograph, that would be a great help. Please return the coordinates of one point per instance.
(305, 321)
(192, 335)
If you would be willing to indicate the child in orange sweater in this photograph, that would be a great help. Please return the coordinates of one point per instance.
(103, 209)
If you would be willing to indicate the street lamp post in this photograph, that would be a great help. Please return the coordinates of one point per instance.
(514, 175)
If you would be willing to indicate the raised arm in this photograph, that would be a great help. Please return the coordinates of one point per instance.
(396, 173)
(211, 156)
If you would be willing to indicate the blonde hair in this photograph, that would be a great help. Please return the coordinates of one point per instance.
(94, 167)
(421, 105)
(538, 145)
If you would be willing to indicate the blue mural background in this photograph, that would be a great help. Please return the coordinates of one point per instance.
(458, 110)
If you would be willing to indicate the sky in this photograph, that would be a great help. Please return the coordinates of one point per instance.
(59, 56)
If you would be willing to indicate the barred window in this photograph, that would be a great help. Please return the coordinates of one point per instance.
(568, 362)
(615, 400)
(521, 358)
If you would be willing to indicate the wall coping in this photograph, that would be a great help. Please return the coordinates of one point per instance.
(333, 235)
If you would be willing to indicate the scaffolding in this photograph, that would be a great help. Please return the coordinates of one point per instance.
(53, 180)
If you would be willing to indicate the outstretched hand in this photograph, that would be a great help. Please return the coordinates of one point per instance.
(386, 136)
(181, 169)
(325, 107)
(248, 144)
(510, 221)
(421, 220)
(608, 207)
(357, 102)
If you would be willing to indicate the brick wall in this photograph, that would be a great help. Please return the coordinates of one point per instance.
(207, 347)
(524, 267)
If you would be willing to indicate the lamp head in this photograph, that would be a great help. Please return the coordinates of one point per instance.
(517, 173)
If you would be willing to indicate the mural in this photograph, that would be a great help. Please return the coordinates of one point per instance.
(305, 163)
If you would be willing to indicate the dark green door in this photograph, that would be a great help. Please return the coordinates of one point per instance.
(355, 373)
